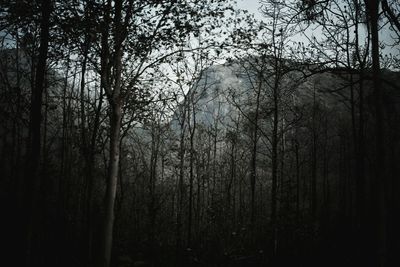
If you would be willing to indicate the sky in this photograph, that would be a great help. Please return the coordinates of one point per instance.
(250, 5)
(253, 6)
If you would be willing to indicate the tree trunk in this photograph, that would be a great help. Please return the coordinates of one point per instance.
(116, 101)
(192, 130)
(296, 150)
(253, 172)
(274, 158)
(380, 177)
(314, 163)
(32, 177)
(181, 186)
(115, 121)
(91, 153)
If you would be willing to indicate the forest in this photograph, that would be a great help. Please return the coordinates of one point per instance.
(196, 133)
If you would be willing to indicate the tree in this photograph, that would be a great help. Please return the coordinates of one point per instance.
(165, 29)
(342, 22)
(380, 182)
(390, 8)
(33, 177)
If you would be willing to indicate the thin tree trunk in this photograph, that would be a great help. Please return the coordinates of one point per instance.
(192, 130)
(199, 170)
(232, 174)
(181, 188)
(314, 163)
(296, 150)
(253, 173)
(151, 209)
(19, 177)
(274, 158)
(90, 179)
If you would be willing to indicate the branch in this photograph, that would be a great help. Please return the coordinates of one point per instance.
(390, 15)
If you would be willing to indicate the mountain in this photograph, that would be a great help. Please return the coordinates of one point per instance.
(227, 90)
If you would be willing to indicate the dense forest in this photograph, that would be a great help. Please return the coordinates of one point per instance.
(194, 133)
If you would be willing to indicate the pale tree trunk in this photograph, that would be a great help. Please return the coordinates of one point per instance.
(112, 179)
(115, 100)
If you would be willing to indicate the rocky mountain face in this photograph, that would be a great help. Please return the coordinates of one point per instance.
(321, 113)
(230, 90)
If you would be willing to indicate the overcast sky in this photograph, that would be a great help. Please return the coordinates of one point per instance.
(250, 5)
(253, 6)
